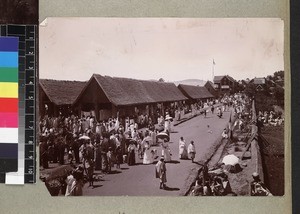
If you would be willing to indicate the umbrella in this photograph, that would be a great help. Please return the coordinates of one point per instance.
(84, 137)
(230, 160)
(163, 135)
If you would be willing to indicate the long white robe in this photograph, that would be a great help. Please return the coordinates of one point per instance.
(148, 156)
(182, 150)
(166, 152)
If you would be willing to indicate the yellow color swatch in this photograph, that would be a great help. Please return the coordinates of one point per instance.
(8, 90)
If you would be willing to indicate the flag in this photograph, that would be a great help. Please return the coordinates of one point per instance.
(214, 62)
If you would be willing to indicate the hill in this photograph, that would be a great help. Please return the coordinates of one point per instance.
(191, 82)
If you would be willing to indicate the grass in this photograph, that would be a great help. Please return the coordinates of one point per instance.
(273, 158)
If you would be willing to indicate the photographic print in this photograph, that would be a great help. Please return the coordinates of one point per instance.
(161, 106)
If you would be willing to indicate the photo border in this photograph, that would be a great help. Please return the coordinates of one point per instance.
(42, 201)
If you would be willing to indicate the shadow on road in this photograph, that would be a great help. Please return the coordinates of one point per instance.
(171, 189)
(137, 164)
(96, 186)
(124, 168)
(114, 172)
(173, 161)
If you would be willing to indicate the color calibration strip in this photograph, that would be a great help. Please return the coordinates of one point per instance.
(9, 117)
(27, 35)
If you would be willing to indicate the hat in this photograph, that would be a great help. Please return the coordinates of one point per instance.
(255, 175)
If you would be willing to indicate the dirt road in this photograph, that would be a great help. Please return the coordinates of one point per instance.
(139, 180)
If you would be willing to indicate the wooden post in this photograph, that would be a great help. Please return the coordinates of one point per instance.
(97, 111)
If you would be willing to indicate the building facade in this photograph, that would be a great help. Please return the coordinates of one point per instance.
(225, 84)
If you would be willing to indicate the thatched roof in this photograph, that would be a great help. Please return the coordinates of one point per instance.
(217, 79)
(210, 83)
(125, 91)
(195, 92)
(61, 92)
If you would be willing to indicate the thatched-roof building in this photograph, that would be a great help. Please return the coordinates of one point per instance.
(211, 88)
(108, 95)
(195, 93)
(58, 95)
(225, 84)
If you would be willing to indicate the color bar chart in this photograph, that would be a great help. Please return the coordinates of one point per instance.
(25, 104)
(9, 116)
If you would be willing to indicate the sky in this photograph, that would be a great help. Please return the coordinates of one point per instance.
(151, 48)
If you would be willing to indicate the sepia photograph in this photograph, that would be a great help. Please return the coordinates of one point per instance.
(161, 106)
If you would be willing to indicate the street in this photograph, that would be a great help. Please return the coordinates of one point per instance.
(139, 180)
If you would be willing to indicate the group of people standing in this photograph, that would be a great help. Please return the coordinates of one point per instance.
(101, 145)
(270, 118)
(186, 152)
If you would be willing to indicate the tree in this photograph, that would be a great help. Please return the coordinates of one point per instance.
(250, 90)
(161, 80)
(279, 75)
(279, 96)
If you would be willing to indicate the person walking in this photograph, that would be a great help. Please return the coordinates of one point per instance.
(192, 151)
(219, 112)
(131, 154)
(89, 167)
(160, 169)
(98, 163)
(148, 154)
(182, 149)
(119, 157)
(166, 151)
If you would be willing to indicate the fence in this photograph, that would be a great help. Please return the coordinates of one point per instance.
(256, 159)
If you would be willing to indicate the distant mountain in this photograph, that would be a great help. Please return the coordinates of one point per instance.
(191, 82)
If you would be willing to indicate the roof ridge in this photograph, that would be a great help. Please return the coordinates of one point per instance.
(127, 78)
(61, 80)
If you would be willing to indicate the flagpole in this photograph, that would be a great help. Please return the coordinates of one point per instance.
(213, 70)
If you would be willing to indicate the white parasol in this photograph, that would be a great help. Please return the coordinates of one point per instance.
(163, 135)
(84, 137)
(230, 160)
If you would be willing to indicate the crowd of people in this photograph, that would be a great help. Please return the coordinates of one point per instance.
(100, 145)
(118, 137)
(83, 138)
(211, 183)
(270, 118)
(91, 145)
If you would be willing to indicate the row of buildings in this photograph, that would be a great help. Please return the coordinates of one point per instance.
(105, 96)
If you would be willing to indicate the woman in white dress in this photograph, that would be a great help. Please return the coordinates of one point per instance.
(182, 149)
(148, 154)
(153, 137)
(166, 152)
